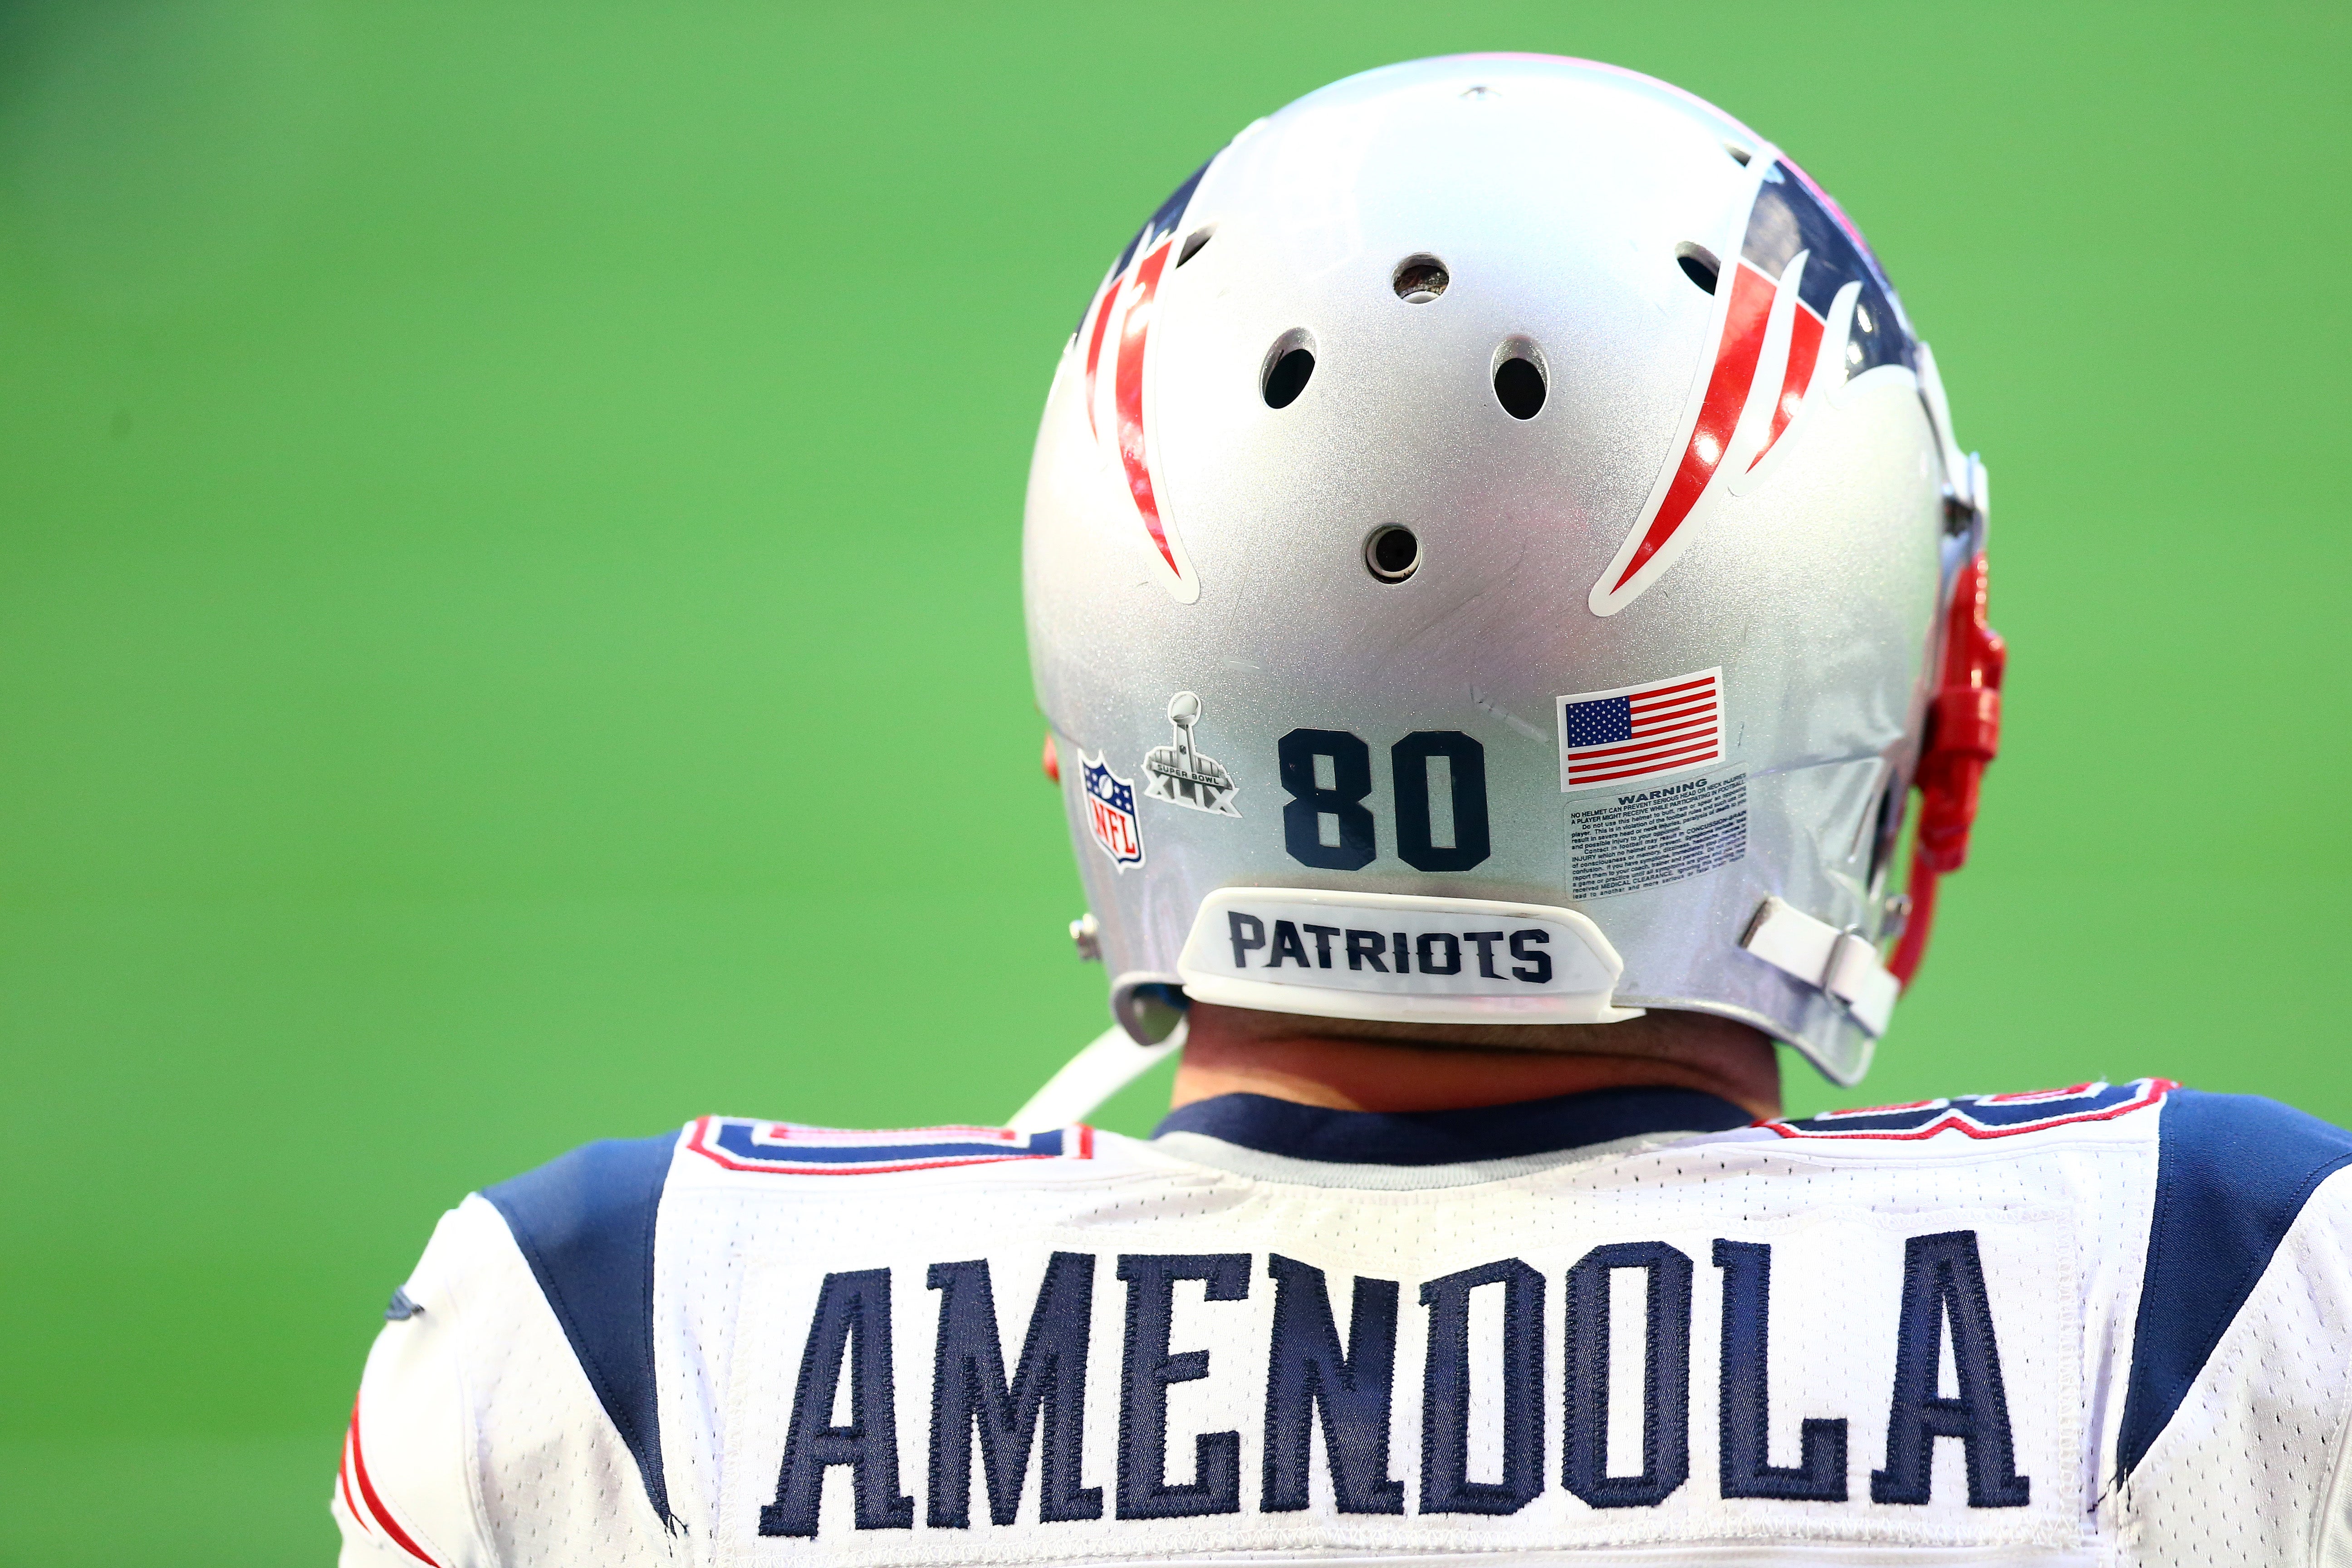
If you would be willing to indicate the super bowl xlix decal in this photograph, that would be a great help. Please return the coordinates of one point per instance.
(1180, 772)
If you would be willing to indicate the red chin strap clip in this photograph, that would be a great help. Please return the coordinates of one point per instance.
(1963, 735)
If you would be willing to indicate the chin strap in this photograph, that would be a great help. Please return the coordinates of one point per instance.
(1963, 735)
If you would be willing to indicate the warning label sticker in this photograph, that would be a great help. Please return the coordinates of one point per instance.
(1648, 838)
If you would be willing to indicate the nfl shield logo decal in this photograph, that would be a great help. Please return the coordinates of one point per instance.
(1110, 811)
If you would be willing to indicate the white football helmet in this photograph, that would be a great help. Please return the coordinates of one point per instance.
(1496, 551)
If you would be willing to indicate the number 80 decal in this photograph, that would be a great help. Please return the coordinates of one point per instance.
(1350, 769)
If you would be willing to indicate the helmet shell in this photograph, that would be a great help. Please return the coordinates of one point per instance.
(1199, 563)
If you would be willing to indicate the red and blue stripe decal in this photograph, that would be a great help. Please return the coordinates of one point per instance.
(1984, 1115)
(1134, 283)
(792, 1149)
(1796, 241)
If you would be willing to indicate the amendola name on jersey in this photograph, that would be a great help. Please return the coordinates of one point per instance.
(2104, 1324)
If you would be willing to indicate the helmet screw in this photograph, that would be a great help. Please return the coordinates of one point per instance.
(1085, 935)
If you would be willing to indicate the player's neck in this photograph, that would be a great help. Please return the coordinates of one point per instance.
(1315, 1062)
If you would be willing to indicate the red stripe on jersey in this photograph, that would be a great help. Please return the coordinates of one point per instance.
(2145, 1092)
(375, 1504)
(700, 1140)
(343, 1480)
(2069, 1092)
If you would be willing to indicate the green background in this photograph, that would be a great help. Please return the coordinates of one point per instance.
(509, 625)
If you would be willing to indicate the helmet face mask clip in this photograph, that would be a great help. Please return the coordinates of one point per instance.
(1496, 551)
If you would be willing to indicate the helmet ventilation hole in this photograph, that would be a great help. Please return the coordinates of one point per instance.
(1698, 265)
(1740, 156)
(1419, 279)
(1288, 364)
(1393, 554)
(1519, 388)
(1194, 241)
(1520, 380)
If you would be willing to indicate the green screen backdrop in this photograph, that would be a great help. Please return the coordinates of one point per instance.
(509, 626)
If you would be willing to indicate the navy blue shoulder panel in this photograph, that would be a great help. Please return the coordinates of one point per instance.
(2232, 1174)
(585, 1225)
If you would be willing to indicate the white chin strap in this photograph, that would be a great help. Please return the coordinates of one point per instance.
(1109, 1063)
(1838, 962)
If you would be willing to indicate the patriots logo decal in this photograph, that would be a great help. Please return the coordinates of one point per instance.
(1801, 311)
(1116, 359)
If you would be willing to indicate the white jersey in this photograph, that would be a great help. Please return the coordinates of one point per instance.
(2106, 1324)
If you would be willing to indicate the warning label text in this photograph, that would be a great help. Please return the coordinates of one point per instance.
(1648, 838)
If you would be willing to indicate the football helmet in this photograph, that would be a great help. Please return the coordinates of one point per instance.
(1496, 552)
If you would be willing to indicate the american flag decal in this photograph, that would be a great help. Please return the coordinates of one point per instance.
(1636, 731)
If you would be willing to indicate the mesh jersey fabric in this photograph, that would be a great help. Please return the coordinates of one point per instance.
(2108, 1324)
